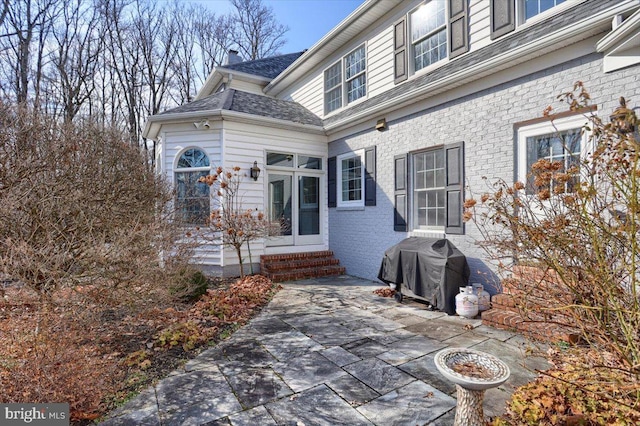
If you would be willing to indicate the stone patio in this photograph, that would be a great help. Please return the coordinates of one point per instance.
(329, 352)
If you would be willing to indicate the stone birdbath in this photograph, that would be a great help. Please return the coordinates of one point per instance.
(473, 372)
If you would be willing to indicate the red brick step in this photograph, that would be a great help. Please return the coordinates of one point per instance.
(295, 266)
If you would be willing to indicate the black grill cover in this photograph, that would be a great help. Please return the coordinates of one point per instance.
(433, 269)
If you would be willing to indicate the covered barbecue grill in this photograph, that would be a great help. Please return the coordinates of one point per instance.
(427, 268)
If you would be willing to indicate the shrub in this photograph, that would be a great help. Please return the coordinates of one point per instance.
(581, 227)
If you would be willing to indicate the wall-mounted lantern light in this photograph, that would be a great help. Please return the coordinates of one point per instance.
(623, 119)
(254, 171)
(381, 125)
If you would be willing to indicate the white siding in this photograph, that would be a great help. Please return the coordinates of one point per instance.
(177, 138)
(246, 143)
(309, 90)
(479, 24)
(310, 95)
(379, 65)
(246, 86)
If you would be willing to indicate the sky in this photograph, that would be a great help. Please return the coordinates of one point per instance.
(308, 20)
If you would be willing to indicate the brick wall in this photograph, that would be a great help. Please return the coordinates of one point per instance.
(485, 122)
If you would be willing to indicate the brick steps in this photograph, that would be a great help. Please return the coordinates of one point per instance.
(296, 266)
(521, 308)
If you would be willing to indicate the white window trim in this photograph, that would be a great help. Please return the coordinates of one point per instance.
(520, 12)
(343, 81)
(177, 169)
(411, 63)
(339, 159)
(413, 221)
(577, 121)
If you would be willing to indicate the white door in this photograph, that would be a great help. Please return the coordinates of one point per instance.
(294, 186)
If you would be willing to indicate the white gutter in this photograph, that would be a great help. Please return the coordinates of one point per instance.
(154, 123)
(312, 54)
(536, 47)
(629, 28)
(225, 74)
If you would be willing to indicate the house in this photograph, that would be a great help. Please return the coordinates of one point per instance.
(382, 128)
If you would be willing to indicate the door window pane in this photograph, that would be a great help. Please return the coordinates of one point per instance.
(309, 205)
(280, 202)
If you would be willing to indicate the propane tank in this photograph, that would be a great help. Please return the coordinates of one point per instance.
(467, 302)
(484, 298)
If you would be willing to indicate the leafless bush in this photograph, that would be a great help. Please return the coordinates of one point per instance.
(81, 210)
(581, 227)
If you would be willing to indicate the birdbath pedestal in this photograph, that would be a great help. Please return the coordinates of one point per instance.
(473, 372)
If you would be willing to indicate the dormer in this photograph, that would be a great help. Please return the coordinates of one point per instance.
(247, 76)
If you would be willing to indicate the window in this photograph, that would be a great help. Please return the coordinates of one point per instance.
(428, 34)
(431, 182)
(355, 64)
(428, 189)
(192, 197)
(333, 88)
(346, 79)
(350, 180)
(531, 8)
(563, 142)
(503, 13)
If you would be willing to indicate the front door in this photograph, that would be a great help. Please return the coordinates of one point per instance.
(294, 195)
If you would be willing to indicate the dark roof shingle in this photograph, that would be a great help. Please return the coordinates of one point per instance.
(266, 67)
(250, 103)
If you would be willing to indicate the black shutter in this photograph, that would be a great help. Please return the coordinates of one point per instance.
(331, 182)
(503, 17)
(454, 189)
(458, 28)
(400, 72)
(370, 176)
(400, 193)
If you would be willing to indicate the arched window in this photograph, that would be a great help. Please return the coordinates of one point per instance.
(192, 197)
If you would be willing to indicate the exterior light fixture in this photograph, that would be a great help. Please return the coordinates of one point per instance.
(254, 172)
(623, 119)
(381, 125)
(202, 124)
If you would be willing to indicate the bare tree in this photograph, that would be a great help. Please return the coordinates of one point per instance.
(26, 24)
(76, 55)
(3, 11)
(214, 37)
(257, 32)
(184, 64)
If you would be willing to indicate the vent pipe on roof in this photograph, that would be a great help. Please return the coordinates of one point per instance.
(233, 57)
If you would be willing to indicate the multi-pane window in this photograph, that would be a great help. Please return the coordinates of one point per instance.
(350, 180)
(532, 8)
(562, 142)
(428, 34)
(355, 64)
(346, 79)
(192, 197)
(558, 147)
(333, 87)
(429, 203)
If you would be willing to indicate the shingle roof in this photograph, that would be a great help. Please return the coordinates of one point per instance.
(266, 67)
(250, 103)
(505, 44)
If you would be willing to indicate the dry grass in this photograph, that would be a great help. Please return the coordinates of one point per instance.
(94, 359)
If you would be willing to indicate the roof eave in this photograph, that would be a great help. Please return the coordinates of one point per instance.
(628, 29)
(222, 74)
(319, 51)
(467, 75)
(154, 123)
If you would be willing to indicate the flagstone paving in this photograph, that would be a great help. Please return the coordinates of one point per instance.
(330, 352)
